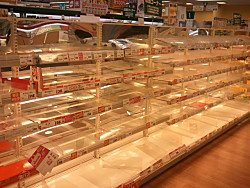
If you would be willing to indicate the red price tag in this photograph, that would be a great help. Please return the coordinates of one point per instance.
(15, 97)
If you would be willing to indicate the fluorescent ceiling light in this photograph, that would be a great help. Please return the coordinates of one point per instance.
(221, 2)
(165, 1)
(189, 3)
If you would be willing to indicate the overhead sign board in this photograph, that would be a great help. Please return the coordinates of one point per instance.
(153, 7)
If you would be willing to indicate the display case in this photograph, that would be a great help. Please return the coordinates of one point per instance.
(112, 109)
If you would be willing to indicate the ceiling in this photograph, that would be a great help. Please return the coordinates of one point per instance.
(229, 2)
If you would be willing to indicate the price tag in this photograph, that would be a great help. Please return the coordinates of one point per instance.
(43, 160)
(63, 57)
(119, 53)
(81, 56)
(127, 77)
(141, 51)
(177, 151)
(147, 51)
(135, 183)
(128, 52)
(134, 52)
(72, 87)
(73, 56)
(26, 60)
(97, 55)
(88, 55)
(15, 97)
(102, 109)
(110, 54)
(113, 80)
(88, 113)
(153, 51)
(134, 100)
(158, 50)
(145, 172)
(47, 123)
(165, 49)
(48, 92)
(27, 95)
(157, 165)
(60, 90)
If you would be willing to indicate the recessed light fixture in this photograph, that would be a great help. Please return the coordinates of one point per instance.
(189, 3)
(221, 2)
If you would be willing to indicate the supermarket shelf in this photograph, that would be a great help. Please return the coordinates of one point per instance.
(206, 141)
(35, 10)
(151, 122)
(42, 59)
(111, 79)
(177, 59)
(197, 72)
(155, 158)
(183, 95)
(82, 110)
(31, 127)
(98, 98)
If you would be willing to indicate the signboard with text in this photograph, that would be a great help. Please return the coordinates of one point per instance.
(153, 7)
(94, 8)
(43, 160)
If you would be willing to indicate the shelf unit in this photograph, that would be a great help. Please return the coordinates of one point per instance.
(126, 110)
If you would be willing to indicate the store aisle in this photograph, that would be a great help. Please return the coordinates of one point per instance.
(225, 163)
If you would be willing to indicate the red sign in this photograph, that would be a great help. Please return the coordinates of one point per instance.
(43, 160)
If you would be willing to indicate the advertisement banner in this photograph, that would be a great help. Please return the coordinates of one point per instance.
(119, 3)
(140, 8)
(153, 7)
(181, 13)
(74, 4)
(77, 4)
(94, 8)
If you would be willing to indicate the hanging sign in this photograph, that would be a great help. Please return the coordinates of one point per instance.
(236, 19)
(74, 4)
(153, 7)
(94, 8)
(140, 8)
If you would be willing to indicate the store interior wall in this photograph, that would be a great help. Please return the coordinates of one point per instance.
(224, 11)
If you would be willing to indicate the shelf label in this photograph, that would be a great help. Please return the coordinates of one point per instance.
(63, 57)
(135, 183)
(165, 49)
(88, 55)
(110, 55)
(73, 56)
(26, 60)
(119, 53)
(81, 56)
(145, 172)
(157, 165)
(134, 100)
(128, 52)
(88, 112)
(177, 151)
(98, 55)
(106, 108)
(43, 160)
